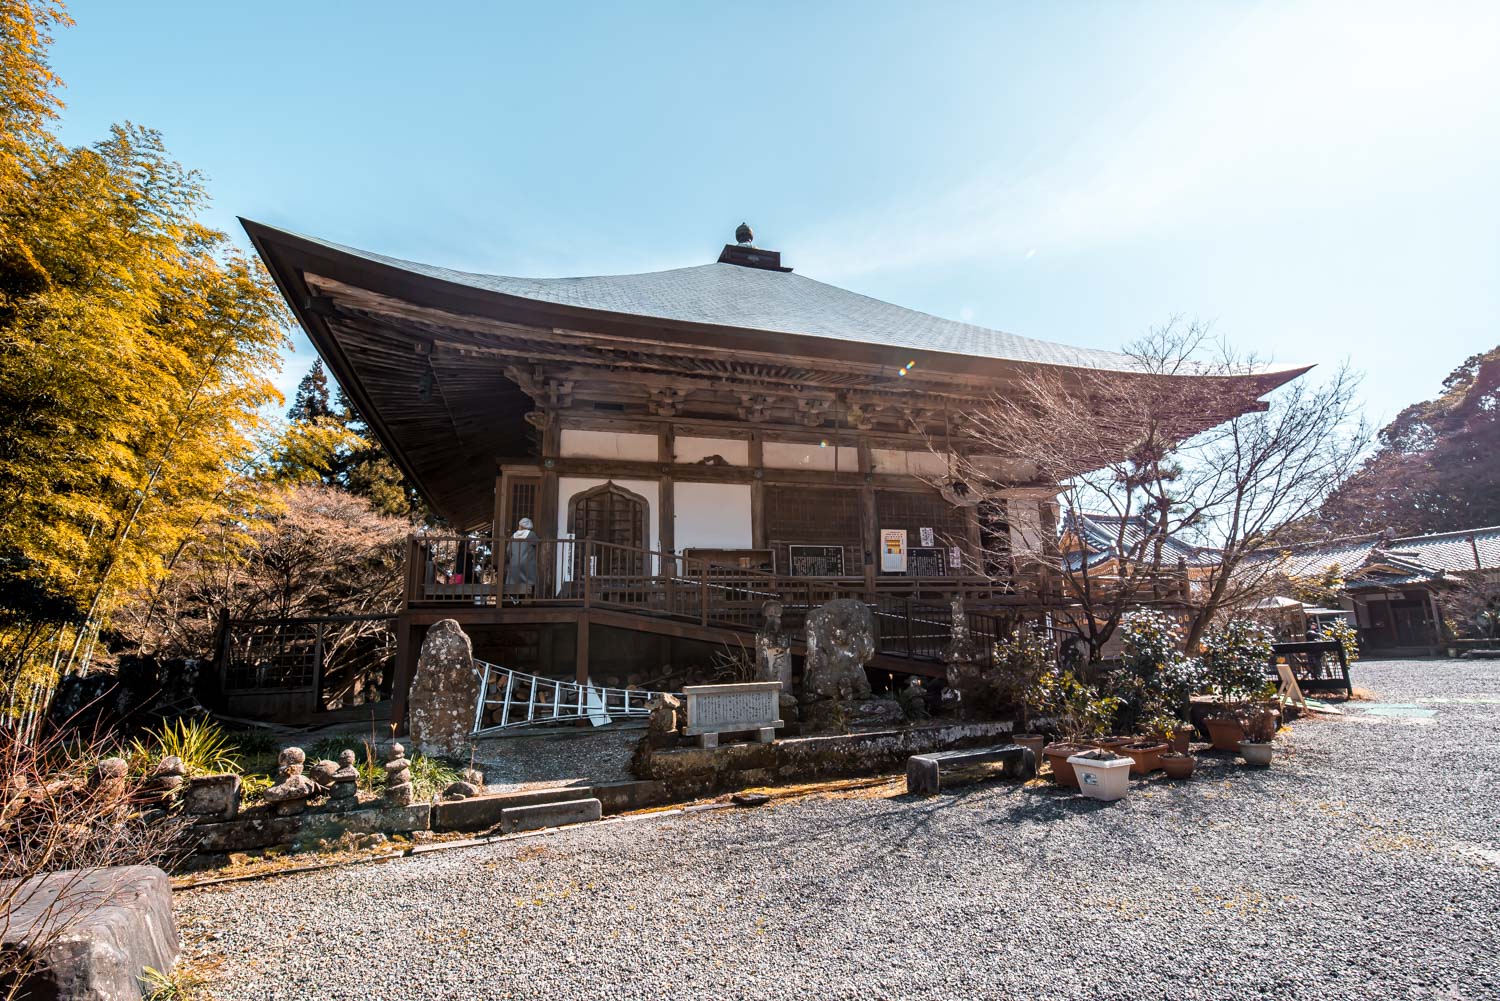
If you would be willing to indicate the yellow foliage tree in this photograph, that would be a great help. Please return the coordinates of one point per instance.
(137, 352)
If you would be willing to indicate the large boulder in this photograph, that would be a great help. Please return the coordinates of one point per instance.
(440, 710)
(90, 933)
(840, 642)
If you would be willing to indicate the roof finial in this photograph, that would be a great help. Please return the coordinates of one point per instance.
(743, 234)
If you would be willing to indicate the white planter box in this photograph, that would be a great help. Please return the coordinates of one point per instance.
(1103, 780)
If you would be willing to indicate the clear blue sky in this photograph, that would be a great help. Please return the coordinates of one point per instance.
(1322, 181)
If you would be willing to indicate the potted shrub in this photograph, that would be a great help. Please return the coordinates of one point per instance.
(1260, 729)
(1178, 765)
(1102, 775)
(1080, 712)
(1236, 657)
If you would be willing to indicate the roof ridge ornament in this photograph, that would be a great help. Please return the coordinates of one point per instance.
(746, 254)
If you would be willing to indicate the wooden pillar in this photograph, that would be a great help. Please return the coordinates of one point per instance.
(581, 650)
(666, 528)
(869, 519)
(546, 505)
(406, 667)
(758, 496)
(497, 538)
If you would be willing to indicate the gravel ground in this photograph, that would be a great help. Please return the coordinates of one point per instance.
(1365, 864)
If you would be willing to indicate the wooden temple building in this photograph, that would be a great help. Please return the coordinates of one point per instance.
(686, 444)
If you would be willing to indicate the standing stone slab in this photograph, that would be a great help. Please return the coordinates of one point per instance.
(440, 710)
(716, 709)
(92, 933)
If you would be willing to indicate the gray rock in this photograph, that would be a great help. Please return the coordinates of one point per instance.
(460, 790)
(90, 934)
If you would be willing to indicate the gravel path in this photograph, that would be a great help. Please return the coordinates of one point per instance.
(1365, 864)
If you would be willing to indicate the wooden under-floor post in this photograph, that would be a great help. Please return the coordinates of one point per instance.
(581, 648)
(406, 663)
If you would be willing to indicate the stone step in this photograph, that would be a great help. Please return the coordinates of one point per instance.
(534, 818)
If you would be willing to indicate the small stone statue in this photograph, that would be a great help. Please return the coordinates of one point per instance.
(109, 778)
(961, 648)
(773, 648)
(323, 775)
(289, 762)
(166, 779)
(840, 641)
(290, 794)
(398, 791)
(913, 699)
(345, 791)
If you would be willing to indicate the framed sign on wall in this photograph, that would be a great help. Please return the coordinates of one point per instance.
(815, 561)
(893, 550)
(925, 561)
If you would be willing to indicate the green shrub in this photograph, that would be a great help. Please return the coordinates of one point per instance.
(202, 745)
(1236, 658)
(1341, 631)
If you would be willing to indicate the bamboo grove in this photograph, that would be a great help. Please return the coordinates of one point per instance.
(137, 347)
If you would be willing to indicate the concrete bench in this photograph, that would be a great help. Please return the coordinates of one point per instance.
(924, 771)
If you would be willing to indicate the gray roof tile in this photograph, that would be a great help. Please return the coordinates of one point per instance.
(755, 299)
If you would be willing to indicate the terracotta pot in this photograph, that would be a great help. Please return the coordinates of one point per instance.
(1182, 739)
(1225, 732)
(1178, 765)
(1144, 755)
(1257, 755)
(1057, 756)
(1112, 743)
(1034, 742)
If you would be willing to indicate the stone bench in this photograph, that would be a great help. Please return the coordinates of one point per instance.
(924, 771)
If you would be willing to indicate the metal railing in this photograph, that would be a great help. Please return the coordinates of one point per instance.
(509, 699)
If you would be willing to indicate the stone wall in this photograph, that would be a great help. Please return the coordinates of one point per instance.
(692, 771)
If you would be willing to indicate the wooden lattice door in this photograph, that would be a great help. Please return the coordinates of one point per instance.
(613, 515)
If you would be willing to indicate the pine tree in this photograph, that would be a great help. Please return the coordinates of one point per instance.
(311, 401)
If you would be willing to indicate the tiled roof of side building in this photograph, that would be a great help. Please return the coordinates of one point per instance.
(774, 301)
(1307, 559)
(1452, 551)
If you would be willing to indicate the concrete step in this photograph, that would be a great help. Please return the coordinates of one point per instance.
(533, 818)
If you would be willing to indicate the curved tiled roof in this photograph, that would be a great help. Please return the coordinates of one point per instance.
(730, 295)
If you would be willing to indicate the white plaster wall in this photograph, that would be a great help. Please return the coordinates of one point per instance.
(926, 464)
(1025, 517)
(711, 516)
(810, 455)
(579, 444)
(888, 460)
(731, 450)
